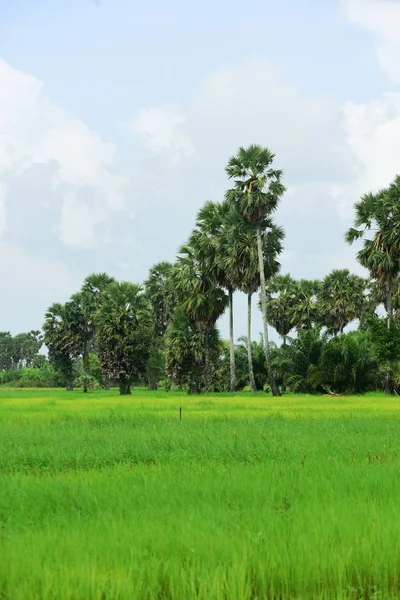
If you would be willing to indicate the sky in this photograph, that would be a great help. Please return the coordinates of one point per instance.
(117, 119)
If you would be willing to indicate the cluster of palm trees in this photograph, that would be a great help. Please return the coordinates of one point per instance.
(111, 319)
(234, 246)
(168, 328)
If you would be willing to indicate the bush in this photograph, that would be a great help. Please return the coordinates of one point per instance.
(30, 377)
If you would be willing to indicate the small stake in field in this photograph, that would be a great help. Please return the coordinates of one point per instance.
(180, 413)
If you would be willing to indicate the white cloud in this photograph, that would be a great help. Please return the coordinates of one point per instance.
(374, 139)
(34, 131)
(38, 281)
(2, 207)
(373, 128)
(160, 129)
(382, 19)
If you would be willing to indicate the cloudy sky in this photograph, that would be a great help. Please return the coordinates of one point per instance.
(118, 117)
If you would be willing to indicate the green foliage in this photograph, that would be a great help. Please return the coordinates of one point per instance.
(31, 377)
(159, 290)
(124, 331)
(185, 356)
(298, 363)
(258, 187)
(341, 299)
(379, 215)
(347, 364)
(155, 368)
(385, 344)
(6, 350)
(86, 382)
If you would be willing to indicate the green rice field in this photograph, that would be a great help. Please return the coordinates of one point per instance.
(247, 497)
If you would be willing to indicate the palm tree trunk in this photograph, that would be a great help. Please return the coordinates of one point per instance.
(232, 344)
(124, 386)
(271, 378)
(86, 368)
(70, 380)
(389, 304)
(249, 354)
(207, 364)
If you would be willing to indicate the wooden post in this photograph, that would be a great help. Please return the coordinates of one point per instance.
(180, 413)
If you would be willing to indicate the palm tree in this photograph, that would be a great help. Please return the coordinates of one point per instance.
(184, 351)
(304, 310)
(90, 298)
(124, 330)
(211, 238)
(159, 290)
(256, 194)
(341, 299)
(57, 337)
(199, 296)
(281, 293)
(244, 248)
(379, 215)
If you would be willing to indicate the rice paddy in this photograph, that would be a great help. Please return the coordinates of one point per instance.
(247, 497)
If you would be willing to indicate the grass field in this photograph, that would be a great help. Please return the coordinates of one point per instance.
(247, 497)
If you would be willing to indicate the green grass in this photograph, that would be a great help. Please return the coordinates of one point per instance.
(247, 497)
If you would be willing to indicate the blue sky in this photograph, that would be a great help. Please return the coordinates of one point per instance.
(117, 118)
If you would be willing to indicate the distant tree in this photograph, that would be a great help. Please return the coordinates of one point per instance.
(155, 368)
(385, 345)
(60, 340)
(201, 298)
(347, 364)
(305, 310)
(185, 356)
(6, 350)
(379, 215)
(160, 291)
(26, 347)
(89, 300)
(341, 299)
(256, 194)
(211, 240)
(246, 250)
(301, 360)
(124, 329)
(280, 292)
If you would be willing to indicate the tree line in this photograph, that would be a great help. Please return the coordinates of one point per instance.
(112, 332)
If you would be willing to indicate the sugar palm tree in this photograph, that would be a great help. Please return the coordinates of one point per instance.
(87, 302)
(211, 238)
(245, 251)
(281, 293)
(57, 337)
(199, 296)
(124, 329)
(379, 215)
(256, 194)
(341, 299)
(159, 290)
(304, 310)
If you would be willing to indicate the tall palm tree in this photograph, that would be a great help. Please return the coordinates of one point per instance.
(281, 293)
(211, 238)
(200, 297)
(245, 251)
(87, 302)
(256, 194)
(379, 215)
